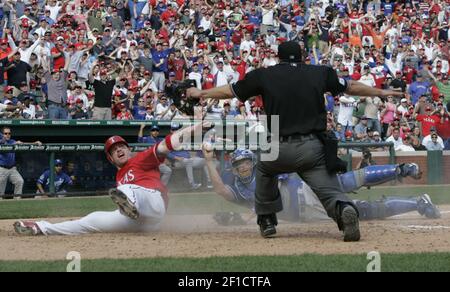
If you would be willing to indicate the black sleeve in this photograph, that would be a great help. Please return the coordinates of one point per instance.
(334, 84)
(248, 87)
(28, 67)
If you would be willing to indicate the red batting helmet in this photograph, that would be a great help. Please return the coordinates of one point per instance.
(112, 141)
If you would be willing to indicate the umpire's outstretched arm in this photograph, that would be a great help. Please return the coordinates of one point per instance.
(353, 88)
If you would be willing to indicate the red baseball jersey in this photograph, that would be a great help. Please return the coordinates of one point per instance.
(143, 170)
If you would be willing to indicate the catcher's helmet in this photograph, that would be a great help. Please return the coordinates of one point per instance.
(112, 141)
(240, 155)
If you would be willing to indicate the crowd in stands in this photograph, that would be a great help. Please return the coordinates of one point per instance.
(120, 59)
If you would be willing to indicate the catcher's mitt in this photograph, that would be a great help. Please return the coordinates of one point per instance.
(228, 218)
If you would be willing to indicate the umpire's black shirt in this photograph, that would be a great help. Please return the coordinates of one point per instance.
(294, 92)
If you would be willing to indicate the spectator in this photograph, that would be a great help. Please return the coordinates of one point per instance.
(62, 180)
(434, 144)
(418, 88)
(56, 91)
(29, 109)
(77, 112)
(427, 139)
(361, 129)
(8, 170)
(395, 138)
(407, 145)
(17, 72)
(103, 88)
(366, 160)
(347, 105)
(428, 120)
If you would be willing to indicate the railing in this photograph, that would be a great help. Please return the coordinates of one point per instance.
(52, 149)
(350, 145)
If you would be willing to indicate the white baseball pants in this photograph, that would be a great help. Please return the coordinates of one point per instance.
(148, 202)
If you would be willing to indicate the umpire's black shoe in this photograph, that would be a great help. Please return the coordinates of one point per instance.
(267, 225)
(350, 222)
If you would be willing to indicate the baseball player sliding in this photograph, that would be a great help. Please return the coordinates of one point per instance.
(140, 195)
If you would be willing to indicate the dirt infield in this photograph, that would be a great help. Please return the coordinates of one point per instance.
(199, 236)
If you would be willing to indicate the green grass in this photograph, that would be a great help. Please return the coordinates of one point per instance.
(205, 203)
(309, 262)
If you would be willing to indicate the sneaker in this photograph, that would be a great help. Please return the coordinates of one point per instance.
(350, 222)
(427, 208)
(29, 228)
(195, 186)
(126, 207)
(209, 186)
(410, 169)
(267, 225)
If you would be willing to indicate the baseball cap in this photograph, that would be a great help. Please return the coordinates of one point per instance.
(363, 118)
(154, 128)
(60, 38)
(433, 129)
(25, 22)
(172, 74)
(290, 51)
(174, 126)
(376, 133)
(7, 88)
(23, 83)
(404, 100)
(58, 162)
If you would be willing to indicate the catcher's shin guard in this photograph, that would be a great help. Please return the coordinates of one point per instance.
(368, 176)
(371, 210)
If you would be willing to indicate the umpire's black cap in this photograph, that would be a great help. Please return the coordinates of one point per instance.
(290, 52)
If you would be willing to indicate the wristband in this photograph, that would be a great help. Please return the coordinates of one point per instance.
(168, 140)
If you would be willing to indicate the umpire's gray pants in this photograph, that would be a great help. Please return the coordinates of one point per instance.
(306, 157)
(10, 175)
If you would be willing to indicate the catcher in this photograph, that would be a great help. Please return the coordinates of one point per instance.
(237, 184)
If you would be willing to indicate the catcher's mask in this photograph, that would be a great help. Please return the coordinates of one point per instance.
(111, 142)
(243, 162)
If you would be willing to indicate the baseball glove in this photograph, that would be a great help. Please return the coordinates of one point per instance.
(228, 218)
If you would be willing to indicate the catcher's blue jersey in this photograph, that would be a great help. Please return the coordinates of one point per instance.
(244, 194)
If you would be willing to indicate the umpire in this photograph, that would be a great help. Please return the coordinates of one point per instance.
(295, 92)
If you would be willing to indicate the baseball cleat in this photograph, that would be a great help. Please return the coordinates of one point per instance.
(350, 223)
(427, 208)
(27, 228)
(267, 225)
(195, 186)
(126, 207)
(410, 169)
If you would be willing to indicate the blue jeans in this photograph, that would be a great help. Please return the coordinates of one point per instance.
(56, 112)
(374, 124)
